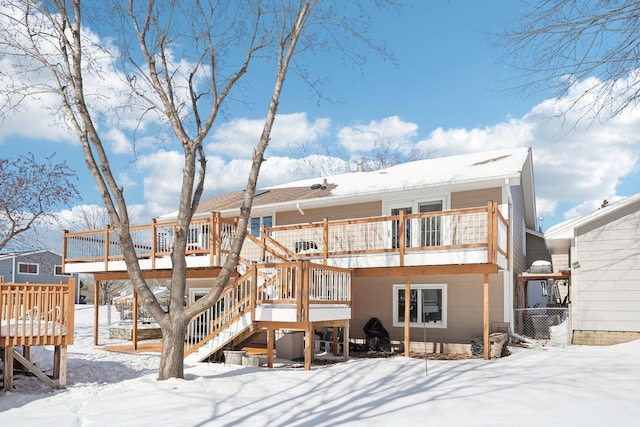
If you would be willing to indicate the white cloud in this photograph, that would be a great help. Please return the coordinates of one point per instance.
(239, 137)
(118, 141)
(361, 137)
(577, 160)
(162, 180)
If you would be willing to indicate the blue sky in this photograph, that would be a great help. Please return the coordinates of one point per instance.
(449, 93)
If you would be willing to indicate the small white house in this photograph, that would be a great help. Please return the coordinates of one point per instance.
(602, 250)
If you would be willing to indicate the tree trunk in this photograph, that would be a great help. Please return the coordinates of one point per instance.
(172, 358)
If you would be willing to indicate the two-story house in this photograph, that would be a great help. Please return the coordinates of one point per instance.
(431, 248)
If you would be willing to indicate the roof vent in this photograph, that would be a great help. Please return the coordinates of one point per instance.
(322, 186)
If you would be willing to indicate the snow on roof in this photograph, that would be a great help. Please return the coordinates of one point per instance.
(26, 253)
(430, 172)
(565, 230)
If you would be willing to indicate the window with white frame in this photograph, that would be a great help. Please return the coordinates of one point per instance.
(257, 222)
(419, 232)
(427, 305)
(60, 272)
(28, 268)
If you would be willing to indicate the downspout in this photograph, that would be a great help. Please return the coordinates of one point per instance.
(299, 208)
(13, 270)
(511, 263)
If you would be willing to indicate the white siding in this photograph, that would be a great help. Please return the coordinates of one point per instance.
(608, 285)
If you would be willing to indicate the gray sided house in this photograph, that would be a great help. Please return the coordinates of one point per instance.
(39, 266)
(602, 251)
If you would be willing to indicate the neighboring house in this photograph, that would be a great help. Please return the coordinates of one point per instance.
(451, 231)
(602, 251)
(39, 266)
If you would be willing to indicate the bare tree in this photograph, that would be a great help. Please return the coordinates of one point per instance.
(29, 191)
(96, 218)
(561, 42)
(389, 152)
(385, 153)
(180, 60)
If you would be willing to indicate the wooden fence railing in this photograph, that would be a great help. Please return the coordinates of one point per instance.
(299, 282)
(469, 228)
(36, 314)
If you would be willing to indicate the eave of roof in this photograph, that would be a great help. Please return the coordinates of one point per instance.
(566, 229)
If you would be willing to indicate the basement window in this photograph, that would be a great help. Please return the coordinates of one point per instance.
(427, 305)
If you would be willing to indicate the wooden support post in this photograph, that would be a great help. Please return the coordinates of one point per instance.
(96, 309)
(106, 247)
(402, 237)
(334, 336)
(491, 232)
(56, 362)
(8, 368)
(253, 297)
(345, 340)
(271, 338)
(134, 336)
(214, 239)
(70, 314)
(487, 344)
(154, 243)
(308, 347)
(325, 240)
(407, 314)
(26, 352)
(60, 358)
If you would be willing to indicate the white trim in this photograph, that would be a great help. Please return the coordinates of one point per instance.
(414, 201)
(441, 286)
(29, 263)
(261, 217)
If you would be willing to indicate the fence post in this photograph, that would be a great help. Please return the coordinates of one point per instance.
(106, 247)
(491, 232)
(154, 243)
(71, 307)
(299, 289)
(325, 240)
(64, 250)
(254, 291)
(217, 240)
(402, 238)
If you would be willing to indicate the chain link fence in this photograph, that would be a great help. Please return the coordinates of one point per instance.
(549, 325)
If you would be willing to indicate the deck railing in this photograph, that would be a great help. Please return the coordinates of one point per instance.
(483, 227)
(205, 236)
(36, 314)
(299, 283)
(479, 228)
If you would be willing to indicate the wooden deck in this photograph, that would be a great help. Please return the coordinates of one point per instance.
(36, 315)
(466, 236)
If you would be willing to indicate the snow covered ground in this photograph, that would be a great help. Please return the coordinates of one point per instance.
(578, 385)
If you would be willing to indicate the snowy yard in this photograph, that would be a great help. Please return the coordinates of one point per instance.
(571, 386)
